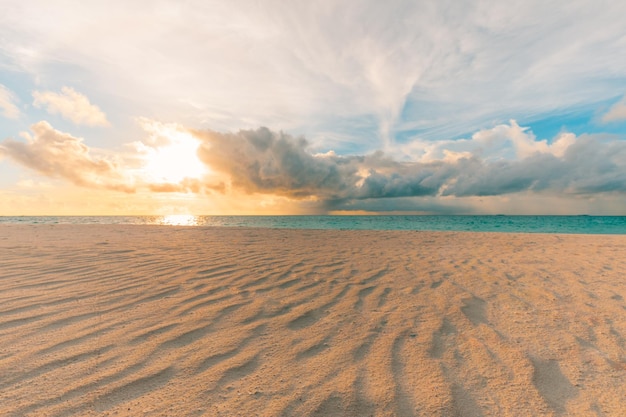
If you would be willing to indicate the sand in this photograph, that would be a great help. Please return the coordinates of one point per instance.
(103, 320)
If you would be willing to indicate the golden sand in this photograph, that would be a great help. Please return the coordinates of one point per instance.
(156, 321)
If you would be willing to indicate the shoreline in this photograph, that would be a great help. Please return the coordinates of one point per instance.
(290, 229)
(605, 225)
(178, 320)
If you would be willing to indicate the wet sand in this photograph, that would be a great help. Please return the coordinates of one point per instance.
(156, 320)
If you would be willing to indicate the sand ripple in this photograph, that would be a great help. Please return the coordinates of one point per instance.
(147, 320)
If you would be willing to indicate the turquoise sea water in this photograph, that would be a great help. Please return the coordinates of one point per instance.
(523, 224)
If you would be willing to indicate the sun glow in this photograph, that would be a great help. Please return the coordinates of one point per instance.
(179, 220)
(175, 160)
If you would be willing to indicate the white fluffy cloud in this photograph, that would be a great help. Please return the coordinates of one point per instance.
(71, 105)
(505, 141)
(7, 103)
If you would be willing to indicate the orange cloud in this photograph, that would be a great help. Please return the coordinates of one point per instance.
(71, 105)
(60, 155)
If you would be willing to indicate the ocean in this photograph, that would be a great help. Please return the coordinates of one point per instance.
(517, 224)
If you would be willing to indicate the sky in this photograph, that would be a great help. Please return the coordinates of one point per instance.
(312, 107)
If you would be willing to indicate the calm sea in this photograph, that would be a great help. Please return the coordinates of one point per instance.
(524, 224)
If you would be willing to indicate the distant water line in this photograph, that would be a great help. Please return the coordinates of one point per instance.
(510, 224)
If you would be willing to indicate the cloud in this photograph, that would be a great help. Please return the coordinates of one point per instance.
(56, 154)
(616, 113)
(186, 185)
(59, 155)
(364, 71)
(262, 161)
(267, 162)
(7, 103)
(71, 105)
(503, 141)
(276, 165)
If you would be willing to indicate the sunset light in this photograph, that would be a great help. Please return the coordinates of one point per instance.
(175, 161)
(316, 107)
(178, 220)
(301, 208)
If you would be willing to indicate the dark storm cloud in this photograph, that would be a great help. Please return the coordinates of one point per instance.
(262, 161)
(265, 161)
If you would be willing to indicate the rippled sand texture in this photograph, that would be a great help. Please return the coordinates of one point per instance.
(149, 320)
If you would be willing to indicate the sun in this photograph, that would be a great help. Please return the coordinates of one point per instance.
(175, 160)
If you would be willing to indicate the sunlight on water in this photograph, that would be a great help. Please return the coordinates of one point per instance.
(512, 224)
(179, 220)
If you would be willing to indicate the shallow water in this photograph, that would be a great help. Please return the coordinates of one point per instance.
(520, 224)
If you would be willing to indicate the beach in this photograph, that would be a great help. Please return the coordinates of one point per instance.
(118, 320)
